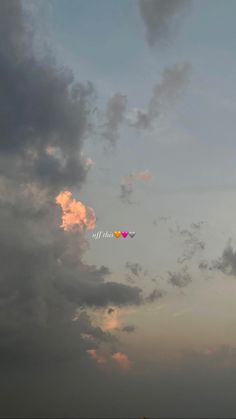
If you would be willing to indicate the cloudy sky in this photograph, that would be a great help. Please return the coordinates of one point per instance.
(117, 116)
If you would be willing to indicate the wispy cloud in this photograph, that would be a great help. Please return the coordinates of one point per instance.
(161, 19)
(173, 84)
(127, 184)
(114, 116)
(179, 279)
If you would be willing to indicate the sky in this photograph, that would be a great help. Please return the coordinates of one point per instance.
(117, 116)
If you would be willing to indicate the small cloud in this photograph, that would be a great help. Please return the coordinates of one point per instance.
(126, 191)
(100, 359)
(173, 84)
(227, 262)
(144, 176)
(129, 329)
(115, 114)
(122, 360)
(203, 265)
(110, 310)
(134, 268)
(192, 242)
(154, 295)
(127, 185)
(180, 279)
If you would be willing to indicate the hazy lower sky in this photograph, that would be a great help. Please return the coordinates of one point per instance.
(117, 116)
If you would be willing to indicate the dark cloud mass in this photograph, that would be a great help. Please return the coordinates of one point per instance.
(44, 114)
(161, 18)
(44, 119)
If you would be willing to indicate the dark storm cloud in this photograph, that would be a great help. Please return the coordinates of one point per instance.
(161, 18)
(114, 116)
(179, 279)
(173, 84)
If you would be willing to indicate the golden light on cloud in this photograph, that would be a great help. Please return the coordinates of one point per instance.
(89, 162)
(100, 359)
(122, 360)
(111, 320)
(75, 215)
(144, 176)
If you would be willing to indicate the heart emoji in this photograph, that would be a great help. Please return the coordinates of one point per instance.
(117, 234)
(124, 234)
(132, 234)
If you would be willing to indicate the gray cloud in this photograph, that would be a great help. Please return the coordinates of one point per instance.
(191, 240)
(161, 19)
(173, 84)
(114, 116)
(128, 329)
(154, 295)
(41, 106)
(203, 265)
(99, 294)
(127, 185)
(179, 279)
(126, 192)
(135, 268)
(198, 225)
(45, 117)
(227, 262)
